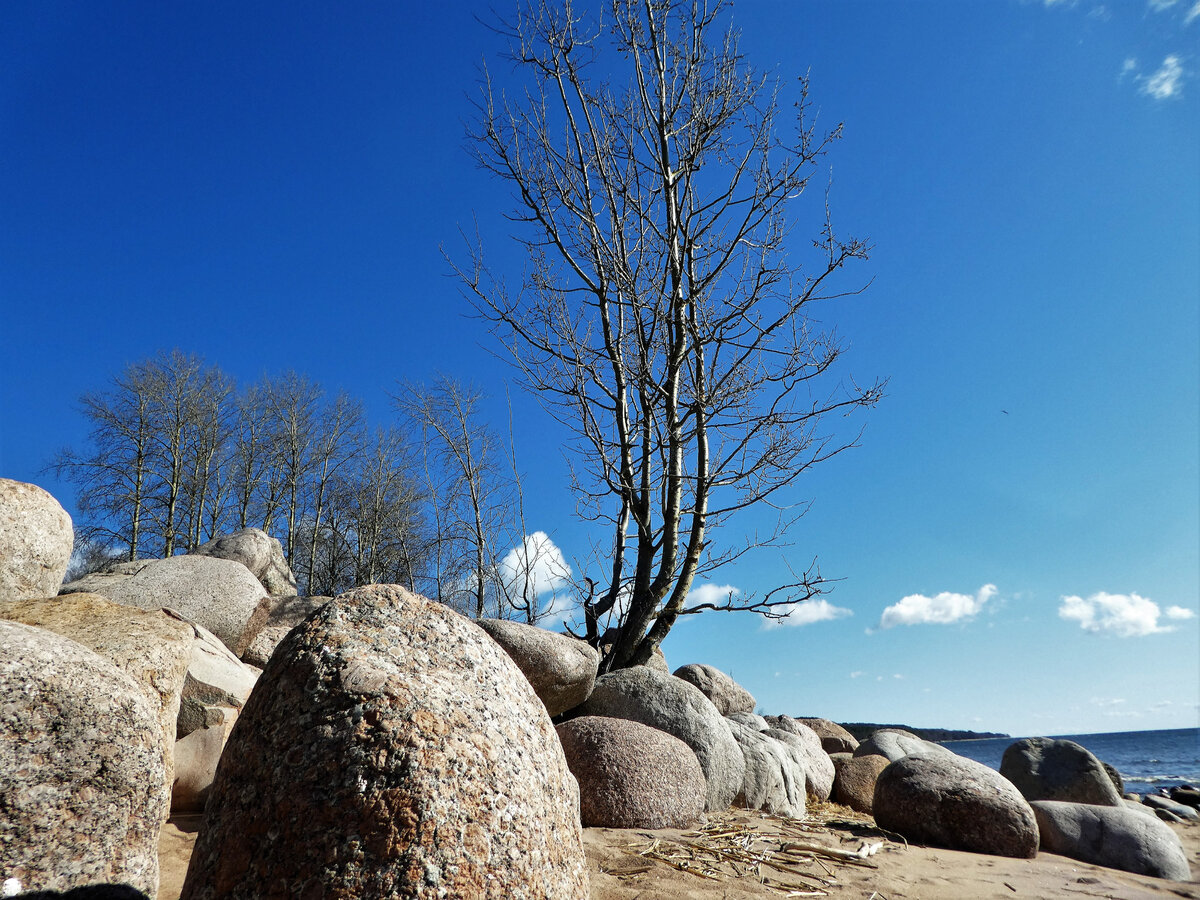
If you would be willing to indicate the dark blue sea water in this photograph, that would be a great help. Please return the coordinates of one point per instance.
(1147, 760)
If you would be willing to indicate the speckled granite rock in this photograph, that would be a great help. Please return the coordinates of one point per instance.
(631, 775)
(153, 648)
(561, 669)
(391, 749)
(726, 694)
(945, 800)
(774, 779)
(218, 594)
(35, 541)
(258, 552)
(285, 614)
(834, 738)
(854, 781)
(672, 705)
(83, 792)
(896, 743)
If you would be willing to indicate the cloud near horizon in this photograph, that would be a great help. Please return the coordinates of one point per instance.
(943, 609)
(807, 612)
(1122, 615)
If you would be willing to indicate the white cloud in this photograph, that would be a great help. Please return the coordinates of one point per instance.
(1123, 615)
(1160, 5)
(1100, 701)
(808, 612)
(1179, 612)
(535, 567)
(1192, 14)
(943, 609)
(1166, 82)
(858, 674)
(716, 594)
(1129, 67)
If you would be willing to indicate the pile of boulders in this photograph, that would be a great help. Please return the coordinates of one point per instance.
(379, 744)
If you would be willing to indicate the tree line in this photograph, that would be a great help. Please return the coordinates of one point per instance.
(179, 453)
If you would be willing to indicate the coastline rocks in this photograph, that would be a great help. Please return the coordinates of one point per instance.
(1187, 795)
(561, 669)
(631, 775)
(1180, 810)
(947, 801)
(1115, 837)
(750, 720)
(82, 782)
(219, 594)
(673, 705)
(806, 746)
(36, 539)
(726, 694)
(258, 552)
(896, 743)
(854, 783)
(153, 648)
(390, 749)
(1049, 769)
(834, 738)
(774, 779)
(286, 613)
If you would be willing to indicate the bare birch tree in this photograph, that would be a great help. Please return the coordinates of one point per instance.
(664, 317)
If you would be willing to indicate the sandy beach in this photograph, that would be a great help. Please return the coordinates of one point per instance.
(740, 855)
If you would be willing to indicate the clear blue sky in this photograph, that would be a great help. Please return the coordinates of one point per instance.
(269, 188)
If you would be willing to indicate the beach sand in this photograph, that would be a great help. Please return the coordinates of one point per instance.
(645, 865)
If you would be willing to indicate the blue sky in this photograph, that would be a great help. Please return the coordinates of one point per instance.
(271, 191)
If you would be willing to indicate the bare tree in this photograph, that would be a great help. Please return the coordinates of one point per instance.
(661, 317)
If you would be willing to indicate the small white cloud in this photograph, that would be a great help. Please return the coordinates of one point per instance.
(807, 612)
(1129, 67)
(1100, 701)
(897, 676)
(711, 593)
(1167, 82)
(943, 609)
(1161, 704)
(1123, 615)
(1160, 5)
(857, 674)
(1192, 14)
(1179, 612)
(535, 567)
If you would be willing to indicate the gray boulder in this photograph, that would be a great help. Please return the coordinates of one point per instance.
(390, 749)
(774, 779)
(726, 694)
(561, 669)
(1182, 811)
(258, 552)
(671, 704)
(286, 613)
(896, 743)
(83, 791)
(947, 801)
(1187, 795)
(854, 782)
(818, 767)
(153, 648)
(834, 738)
(1049, 769)
(752, 721)
(631, 775)
(218, 594)
(35, 541)
(1115, 837)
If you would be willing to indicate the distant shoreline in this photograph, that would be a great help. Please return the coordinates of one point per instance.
(863, 730)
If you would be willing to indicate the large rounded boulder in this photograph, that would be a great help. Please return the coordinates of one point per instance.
(670, 704)
(818, 767)
(631, 775)
(896, 743)
(35, 541)
(945, 800)
(834, 738)
(286, 613)
(260, 553)
(390, 749)
(83, 788)
(774, 779)
(854, 783)
(561, 668)
(153, 648)
(1117, 838)
(726, 695)
(219, 594)
(1050, 769)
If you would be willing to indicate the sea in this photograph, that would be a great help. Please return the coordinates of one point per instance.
(1147, 760)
